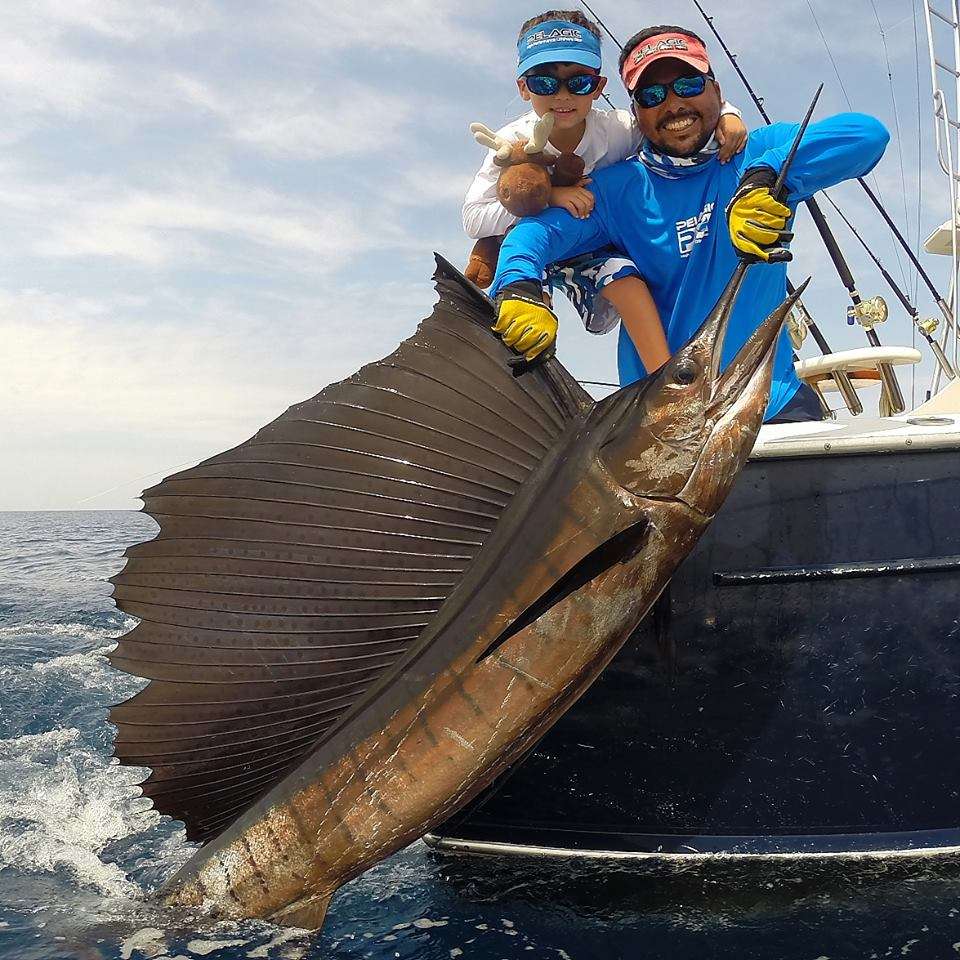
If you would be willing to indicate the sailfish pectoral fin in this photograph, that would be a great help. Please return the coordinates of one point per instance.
(618, 549)
(306, 914)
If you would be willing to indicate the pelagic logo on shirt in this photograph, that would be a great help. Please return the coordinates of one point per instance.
(692, 230)
(552, 36)
(674, 43)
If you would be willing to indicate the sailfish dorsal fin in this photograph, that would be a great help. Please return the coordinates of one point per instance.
(291, 572)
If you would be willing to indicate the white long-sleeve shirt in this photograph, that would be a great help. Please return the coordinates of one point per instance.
(608, 137)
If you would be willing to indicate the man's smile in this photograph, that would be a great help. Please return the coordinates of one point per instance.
(677, 124)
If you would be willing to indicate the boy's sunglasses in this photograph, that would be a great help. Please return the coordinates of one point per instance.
(656, 93)
(544, 85)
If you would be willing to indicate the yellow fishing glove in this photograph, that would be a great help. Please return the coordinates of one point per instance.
(758, 221)
(524, 322)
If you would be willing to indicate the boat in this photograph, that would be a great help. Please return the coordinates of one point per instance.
(795, 692)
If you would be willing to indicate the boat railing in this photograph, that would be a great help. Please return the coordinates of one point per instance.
(943, 41)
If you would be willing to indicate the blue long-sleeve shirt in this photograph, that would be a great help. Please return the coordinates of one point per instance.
(675, 231)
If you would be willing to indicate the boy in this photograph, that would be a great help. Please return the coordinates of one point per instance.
(558, 71)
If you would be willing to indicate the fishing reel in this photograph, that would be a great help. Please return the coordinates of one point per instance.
(797, 326)
(928, 325)
(868, 313)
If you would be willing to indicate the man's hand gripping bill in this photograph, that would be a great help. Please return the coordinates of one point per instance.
(758, 221)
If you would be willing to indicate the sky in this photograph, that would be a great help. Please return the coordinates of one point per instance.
(211, 209)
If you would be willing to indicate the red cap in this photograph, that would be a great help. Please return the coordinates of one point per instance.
(663, 46)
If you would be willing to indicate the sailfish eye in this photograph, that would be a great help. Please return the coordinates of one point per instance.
(686, 372)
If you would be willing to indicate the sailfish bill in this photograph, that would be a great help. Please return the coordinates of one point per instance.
(355, 620)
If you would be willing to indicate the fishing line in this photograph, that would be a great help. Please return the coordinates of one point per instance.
(916, 57)
(146, 476)
(916, 246)
(843, 90)
(826, 45)
(896, 119)
(604, 27)
(590, 10)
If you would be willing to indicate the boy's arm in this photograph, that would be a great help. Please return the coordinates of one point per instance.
(839, 148)
(731, 132)
(538, 241)
(483, 214)
(524, 322)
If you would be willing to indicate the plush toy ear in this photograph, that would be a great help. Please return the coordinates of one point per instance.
(567, 170)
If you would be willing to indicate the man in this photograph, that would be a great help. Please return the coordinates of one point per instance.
(663, 209)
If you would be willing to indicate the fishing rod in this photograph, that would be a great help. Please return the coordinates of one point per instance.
(874, 199)
(745, 261)
(924, 276)
(926, 327)
(868, 313)
(840, 377)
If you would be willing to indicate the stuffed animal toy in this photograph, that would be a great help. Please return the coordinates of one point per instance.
(524, 185)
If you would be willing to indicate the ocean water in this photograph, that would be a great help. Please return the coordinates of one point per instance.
(81, 851)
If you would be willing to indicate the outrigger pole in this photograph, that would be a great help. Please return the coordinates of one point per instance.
(867, 312)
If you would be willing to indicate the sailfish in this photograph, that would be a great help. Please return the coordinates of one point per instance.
(355, 620)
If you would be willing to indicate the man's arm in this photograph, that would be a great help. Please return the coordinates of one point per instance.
(839, 148)
(538, 241)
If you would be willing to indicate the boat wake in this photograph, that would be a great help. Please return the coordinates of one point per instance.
(62, 805)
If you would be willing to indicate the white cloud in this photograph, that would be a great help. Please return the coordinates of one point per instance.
(445, 30)
(429, 184)
(312, 123)
(46, 68)
(40, 78)
(116, 19)
(182, 220)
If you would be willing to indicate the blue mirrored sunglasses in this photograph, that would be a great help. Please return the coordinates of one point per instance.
(656, 93)
(544, 85)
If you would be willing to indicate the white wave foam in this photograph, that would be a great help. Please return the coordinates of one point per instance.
(60, 805)
(284, 936)
(202, 947)
(148, 942)
(90, 670)
(81, 631)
